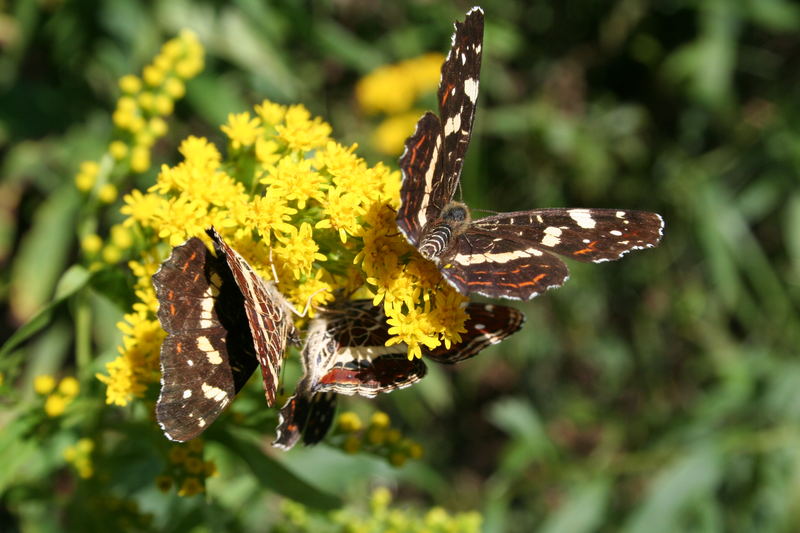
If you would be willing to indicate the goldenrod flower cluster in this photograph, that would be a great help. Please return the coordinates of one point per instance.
(80, 456)
(377, 437)
(381, 516)
(139, 115)
(186, 469)
(286, 195)
(393, 90)
(57, 396)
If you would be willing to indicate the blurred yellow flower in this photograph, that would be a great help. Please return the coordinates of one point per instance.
(44, 384)
(390, 136)
(393, 89)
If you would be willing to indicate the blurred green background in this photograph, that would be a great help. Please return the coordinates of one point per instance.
(660, 393)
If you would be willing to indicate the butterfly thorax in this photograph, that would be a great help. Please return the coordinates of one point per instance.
(439, 236)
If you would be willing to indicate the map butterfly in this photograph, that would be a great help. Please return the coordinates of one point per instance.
(205, 305)
(346, 353)
(222, 321)
(507, 255)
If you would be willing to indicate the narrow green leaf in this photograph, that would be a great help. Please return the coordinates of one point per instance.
(43, 252)
(273, 475)
(74, 279)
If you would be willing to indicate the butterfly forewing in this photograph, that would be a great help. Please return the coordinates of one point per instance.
(208, 354)
(458, 95)
(421, 165)
(268, 314)
(590, 235)
(307, 415)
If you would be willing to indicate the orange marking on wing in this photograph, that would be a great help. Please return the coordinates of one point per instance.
(586, 250)
(446, 94)
(416, 148)
(172, 309)
(179, 347)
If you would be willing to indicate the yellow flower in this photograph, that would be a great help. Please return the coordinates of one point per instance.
(349, 422)
(413, 328)
(69, 387)
(296, 181)
(269, 213)
(91, 244)
(343, 210)
(391, 134)
(392, 89)
(178, 454)
(298, 250)
(379, 419)
(300, 132)
(270, 112)
(242, 130)
(44, 384)
(55, 405)
(107, 193)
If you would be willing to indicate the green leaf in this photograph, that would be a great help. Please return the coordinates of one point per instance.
(43, 252)
(583, 511)
(74, 279)
(273, 475)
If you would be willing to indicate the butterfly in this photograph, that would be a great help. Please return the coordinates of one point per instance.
(346, 353)
(222, 321)
(508, 255)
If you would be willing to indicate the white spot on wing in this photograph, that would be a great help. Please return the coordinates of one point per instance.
(452, 124)
(187, 394)
(471, 89)
(214, 393)
(583, 218)
(620, 214)
(615, 233)
(551, 236)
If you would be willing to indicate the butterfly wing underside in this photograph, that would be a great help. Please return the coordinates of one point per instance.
(208, 353)
(434, 155)
(268, 315)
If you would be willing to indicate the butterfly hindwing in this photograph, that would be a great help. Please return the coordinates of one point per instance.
(268, 314)
(487, 324)
(208, 354)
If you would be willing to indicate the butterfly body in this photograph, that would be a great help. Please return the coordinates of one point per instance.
(509, 255)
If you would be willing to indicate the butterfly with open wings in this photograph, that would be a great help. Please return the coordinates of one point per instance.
(509, 255)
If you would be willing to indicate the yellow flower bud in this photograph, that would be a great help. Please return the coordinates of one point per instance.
(69, 387)
(118, 150)
(140, 159)
(174, 88)
(349, 422)
(163, 104)
(153, 75)
(130, 84)
(44, 384)
(111, 254)
(107, 193)
(55, 405)
(380, 419)
(91, 244)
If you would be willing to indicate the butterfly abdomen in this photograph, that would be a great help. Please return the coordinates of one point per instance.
(439, 236)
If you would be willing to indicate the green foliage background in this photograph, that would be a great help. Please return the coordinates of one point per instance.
(660, 393)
